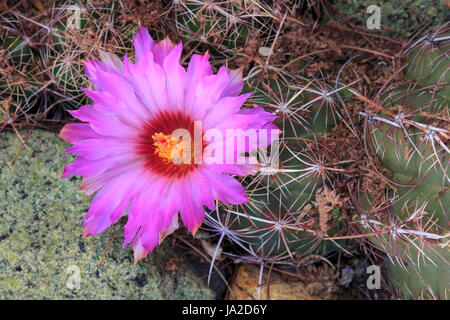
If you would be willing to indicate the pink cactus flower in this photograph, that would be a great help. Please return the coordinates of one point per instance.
(125, 143)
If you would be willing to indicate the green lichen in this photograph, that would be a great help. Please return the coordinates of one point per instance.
(40, 237)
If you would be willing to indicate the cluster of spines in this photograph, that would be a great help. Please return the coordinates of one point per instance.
(409, 132)
(43, 71)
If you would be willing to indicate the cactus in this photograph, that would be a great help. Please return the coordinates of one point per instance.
(18, 71)
(100, 29)
(410, 136)
(226, 27)
(293, 209)
(43, 52)
(208, 22)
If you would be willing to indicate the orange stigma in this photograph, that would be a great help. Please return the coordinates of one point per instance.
(165, 143)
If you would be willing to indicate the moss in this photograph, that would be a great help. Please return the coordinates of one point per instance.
(40, 237)
(398, 18)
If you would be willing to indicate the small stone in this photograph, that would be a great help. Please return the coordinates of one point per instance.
(245, 286)
(265, 51)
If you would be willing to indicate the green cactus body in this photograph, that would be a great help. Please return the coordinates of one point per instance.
(280, 218)
(221, 25)
(273, 229)
(411, 140)
(19, 83)
(423, 278)
(68, 72)
(18, 50)
(71, 46)
(428, 66)
(428, 199)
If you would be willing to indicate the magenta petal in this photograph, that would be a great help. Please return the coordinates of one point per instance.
(75, 132)
(235, 83)
(91, 168)
(139, 250)
(103, 124)
(149, 220)
(170, 229)
(223, 108)
(83, 167)
(110, 202)
(91, 69)
(258, 115)
(143, 44)
(247, 118)
(191, 208)
(162, 50)
(150, 233)
(149, 82)
(126, 107)
(144, 207)
(207, 93)
(113, 209)
(91, 184)
(111, 60)
(94, 149)
(175, 79)
(191, 215)
(226, 188)
(198, 68)
(115, 87)
(202, 194)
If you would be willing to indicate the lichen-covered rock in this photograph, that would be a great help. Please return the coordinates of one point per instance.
(398, 18)
(42, 254)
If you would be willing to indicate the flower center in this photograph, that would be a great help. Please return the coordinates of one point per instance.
(159, 147)
(167, 147)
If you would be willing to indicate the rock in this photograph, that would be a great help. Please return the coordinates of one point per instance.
(245, 286)
(42, 255)
(265, 51)
(397, 18)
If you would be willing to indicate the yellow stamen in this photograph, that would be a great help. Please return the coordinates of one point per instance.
(165, 143)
